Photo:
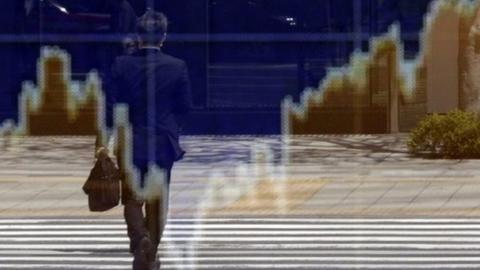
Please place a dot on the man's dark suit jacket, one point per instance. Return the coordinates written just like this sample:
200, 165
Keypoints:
156, 87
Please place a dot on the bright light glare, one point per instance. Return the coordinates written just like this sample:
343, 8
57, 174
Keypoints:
64, 10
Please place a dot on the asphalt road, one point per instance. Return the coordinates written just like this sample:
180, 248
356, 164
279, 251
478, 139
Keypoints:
247, 244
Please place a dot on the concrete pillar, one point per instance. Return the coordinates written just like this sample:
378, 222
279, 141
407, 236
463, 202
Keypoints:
393, 105
442, 63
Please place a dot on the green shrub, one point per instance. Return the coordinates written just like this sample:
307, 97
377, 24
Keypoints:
454, 135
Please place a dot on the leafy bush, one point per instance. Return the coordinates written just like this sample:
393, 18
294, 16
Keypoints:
454, 135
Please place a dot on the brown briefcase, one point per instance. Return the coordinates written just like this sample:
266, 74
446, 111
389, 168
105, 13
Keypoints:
103, 186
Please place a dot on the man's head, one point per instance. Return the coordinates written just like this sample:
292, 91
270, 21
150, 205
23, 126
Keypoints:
152, 28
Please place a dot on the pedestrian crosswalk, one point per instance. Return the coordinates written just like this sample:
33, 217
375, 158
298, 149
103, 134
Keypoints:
247, 243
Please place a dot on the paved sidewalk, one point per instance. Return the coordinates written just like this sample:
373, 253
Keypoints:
311, 176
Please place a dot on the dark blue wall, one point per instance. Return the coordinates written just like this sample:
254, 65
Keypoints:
219, 39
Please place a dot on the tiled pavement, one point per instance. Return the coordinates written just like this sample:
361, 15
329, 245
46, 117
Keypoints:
311, 176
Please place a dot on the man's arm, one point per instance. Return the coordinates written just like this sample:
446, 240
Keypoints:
111, 91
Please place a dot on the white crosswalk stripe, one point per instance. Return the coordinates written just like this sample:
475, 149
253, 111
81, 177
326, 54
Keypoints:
247, 244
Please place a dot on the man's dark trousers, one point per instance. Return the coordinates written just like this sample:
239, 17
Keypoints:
154, 222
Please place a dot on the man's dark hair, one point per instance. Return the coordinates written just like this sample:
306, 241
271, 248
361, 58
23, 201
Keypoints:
152, 27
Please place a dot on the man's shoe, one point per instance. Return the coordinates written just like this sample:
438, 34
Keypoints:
142, 254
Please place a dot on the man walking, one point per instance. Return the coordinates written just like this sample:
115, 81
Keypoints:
156, 88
